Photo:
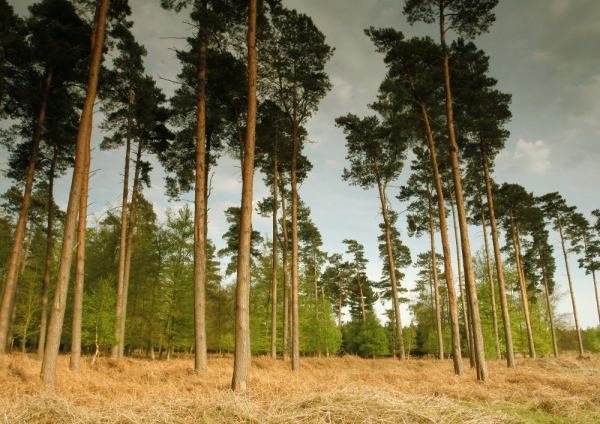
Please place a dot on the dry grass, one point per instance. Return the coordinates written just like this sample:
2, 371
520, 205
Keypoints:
327, 390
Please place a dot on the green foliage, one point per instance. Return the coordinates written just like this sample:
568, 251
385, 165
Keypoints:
98, 318
366, 339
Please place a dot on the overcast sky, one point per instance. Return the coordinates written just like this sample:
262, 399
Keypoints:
546, 53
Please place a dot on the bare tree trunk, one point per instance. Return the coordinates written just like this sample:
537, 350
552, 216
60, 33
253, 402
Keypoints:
15, 256
491, 278
49, 362
575, 317
390, 253
79, 271
286, 286
362, 296
464, 296
549, 305
200, 209
436, 287
510, 353
48, 262
522, 285
123, 235
456, 352
294, 297
242, 356
275, 263
129, 246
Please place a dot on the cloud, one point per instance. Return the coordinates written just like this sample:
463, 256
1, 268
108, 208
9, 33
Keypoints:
532, 158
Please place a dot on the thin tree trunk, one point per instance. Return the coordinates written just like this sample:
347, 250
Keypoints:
316, 287
242, 356
340, 300
48, 262
50, 360
510, 353
362, 296
491, 278
482, 372
275, 262
200, 208
575, 317
294, 293
79, 271
548, 304
129, 245
464, 296
436, 287
123, 235
390, 253
15, 256
286, 286
456, 352
522, 285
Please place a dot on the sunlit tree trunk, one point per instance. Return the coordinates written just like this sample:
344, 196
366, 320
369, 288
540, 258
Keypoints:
491, 281
510, 353
548, 304
55, 325
17, 248
286, 285
79, 271
123, 235
48, 261
388, 243
242, 356
436, 287
275, 263
522, 285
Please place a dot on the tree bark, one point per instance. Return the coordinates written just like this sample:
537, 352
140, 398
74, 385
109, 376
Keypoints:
575, 317
242, 356
436, 286
286, 286
49, 362
275, 262
522, 285
200, 208
548, 304
510, 353
491, 280
123, 235
390, 253
79, 270
15, 256
48, 261
456, 352
464, 296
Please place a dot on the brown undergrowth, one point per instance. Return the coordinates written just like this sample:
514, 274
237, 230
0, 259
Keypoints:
326, 390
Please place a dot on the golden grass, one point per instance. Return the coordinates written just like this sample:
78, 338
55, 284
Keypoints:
327, 390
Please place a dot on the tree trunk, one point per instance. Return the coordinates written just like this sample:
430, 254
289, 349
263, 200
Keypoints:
275, 263
510, 353
575, 317
79, 271
49, 362
482, 373
286, 286
436, 287
15, 256
456, 353
123, 235
200, 209
464, 296
548, 304
48, 261
390, 253
294, 297
491, 278
242, 356
522, 285
362, 296
129, 246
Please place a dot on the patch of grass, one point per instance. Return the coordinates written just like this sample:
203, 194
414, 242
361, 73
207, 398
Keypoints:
326, 390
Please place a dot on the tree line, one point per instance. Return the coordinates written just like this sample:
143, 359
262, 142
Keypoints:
252, 73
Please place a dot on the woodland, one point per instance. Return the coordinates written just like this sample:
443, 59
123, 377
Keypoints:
129, 286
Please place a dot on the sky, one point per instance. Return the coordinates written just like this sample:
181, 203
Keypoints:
546, 53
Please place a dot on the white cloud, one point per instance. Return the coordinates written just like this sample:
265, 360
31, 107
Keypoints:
532, 157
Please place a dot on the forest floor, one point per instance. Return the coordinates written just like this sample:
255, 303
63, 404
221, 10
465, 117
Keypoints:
326, 390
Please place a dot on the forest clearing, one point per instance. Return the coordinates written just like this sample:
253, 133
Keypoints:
329, 390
